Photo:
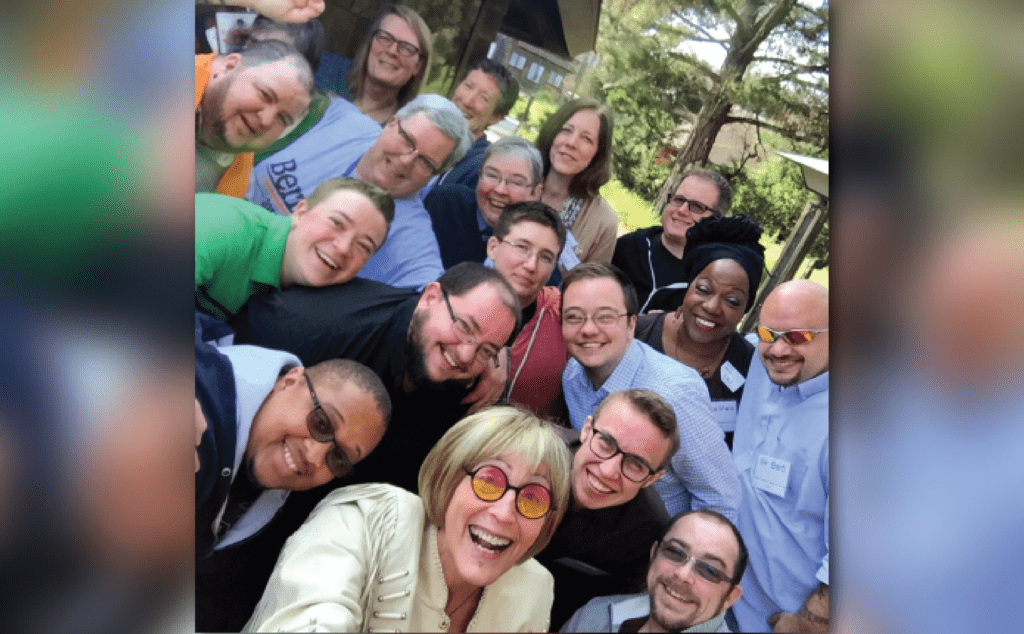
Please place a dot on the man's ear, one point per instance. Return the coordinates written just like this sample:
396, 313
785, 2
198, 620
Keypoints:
654, 478
654, 551
538, 191
431, 295
631, 325
301, 208
289, 378
733, 596
224, 63
492, 244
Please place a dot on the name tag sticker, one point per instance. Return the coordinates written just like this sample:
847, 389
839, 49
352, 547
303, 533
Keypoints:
569, 258
732, 377
724, 413
771, 475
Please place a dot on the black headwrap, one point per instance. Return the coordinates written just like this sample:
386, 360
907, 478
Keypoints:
732, 237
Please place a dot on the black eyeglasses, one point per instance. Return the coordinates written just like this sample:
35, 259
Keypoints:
704, 570
793, 337
606, 447
410, 148
533, 501
678, 200
466, 335
385, 39
321, 430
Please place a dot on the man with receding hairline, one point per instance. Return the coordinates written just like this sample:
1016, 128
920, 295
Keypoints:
244, 102
781, 453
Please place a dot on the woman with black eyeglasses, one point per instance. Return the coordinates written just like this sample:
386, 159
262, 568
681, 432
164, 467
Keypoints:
721, 269
456, 558
392, 63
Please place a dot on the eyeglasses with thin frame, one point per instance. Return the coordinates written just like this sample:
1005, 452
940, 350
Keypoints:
494, 178
602, 318
526, 252
410, 148
673, 552
489, 483
466, 335
605, 447
794, 337
678, 200
321, 430
385, 39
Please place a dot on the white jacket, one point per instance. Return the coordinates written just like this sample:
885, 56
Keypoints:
366, 560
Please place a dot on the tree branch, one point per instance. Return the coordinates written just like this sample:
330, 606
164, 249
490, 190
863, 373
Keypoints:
758, 122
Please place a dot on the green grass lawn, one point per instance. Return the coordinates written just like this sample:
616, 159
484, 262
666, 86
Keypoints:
636, 213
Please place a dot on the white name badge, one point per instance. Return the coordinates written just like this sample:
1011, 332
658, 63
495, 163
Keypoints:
771, 475
731, 377
724, 413
569, 259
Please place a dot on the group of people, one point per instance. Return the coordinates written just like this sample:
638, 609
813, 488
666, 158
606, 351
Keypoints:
435, 391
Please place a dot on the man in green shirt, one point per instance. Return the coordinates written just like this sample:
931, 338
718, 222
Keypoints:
241, 249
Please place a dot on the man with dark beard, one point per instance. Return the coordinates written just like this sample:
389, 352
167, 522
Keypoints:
691, 581
428, 348
244, 102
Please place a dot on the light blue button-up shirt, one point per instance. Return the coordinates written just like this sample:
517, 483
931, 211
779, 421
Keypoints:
781, 453
701, 474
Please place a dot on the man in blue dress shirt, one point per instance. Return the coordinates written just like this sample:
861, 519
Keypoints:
599, 308
781, 453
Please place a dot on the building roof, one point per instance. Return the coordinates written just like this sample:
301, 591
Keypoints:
564, 27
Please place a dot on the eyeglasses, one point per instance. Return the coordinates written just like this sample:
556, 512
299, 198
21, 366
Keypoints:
494, 178
466, 335
410, 148
704, 570
385, 39
793, 337
526, 252
321, 430
606, 447
602, 319
678, 200
533, 501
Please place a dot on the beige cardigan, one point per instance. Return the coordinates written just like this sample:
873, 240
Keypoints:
596, 229
366, 560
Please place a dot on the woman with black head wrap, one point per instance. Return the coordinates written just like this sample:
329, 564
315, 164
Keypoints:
722, 264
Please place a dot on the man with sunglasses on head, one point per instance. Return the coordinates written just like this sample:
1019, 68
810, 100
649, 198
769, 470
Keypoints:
425, 137
693, 576
652, 258
781, 452
602, 543
265, 426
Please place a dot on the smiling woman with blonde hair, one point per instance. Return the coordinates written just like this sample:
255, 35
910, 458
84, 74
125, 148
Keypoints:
456, 558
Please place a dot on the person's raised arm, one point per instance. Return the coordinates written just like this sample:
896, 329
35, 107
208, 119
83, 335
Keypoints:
812, 617
297, 11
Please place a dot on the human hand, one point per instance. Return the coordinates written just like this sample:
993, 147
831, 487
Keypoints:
200, 430
491, 384
297, 11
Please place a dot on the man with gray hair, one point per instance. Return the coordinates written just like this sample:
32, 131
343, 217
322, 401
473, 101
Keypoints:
244, 102
424, 138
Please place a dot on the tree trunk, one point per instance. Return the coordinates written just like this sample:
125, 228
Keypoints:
698, 146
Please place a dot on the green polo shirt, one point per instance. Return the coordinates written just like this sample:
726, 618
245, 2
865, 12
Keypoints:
239, 248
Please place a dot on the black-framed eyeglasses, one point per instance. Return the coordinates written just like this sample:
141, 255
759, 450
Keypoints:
678, 200
674, 553
466, 335
793, 337
633, 467
410, 148
321, 430
489, 483
385, 39
526, 252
